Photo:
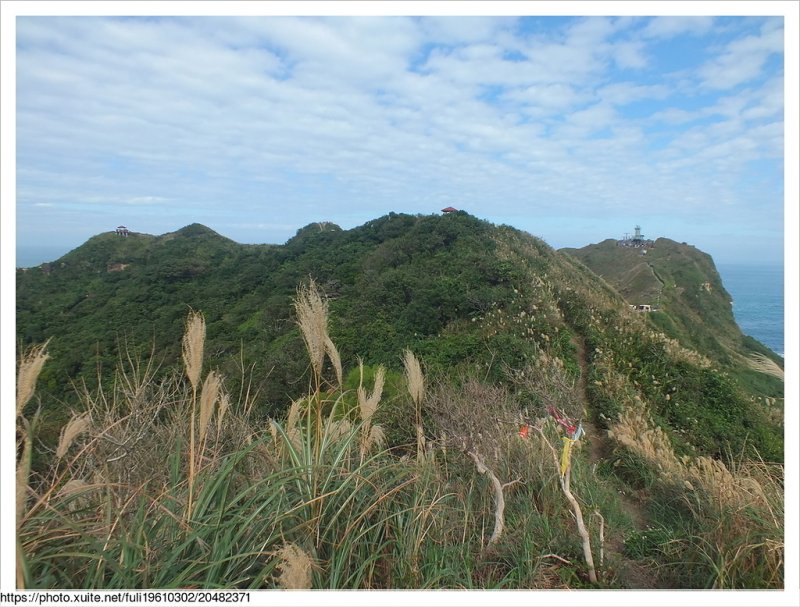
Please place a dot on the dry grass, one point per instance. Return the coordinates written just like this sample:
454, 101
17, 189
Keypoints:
193, 343
368, 404
738, 508
76, 426
748, 487
222, 409
208, 399
292, 422
677, 352
194, 338
414, 377
761, 363
416, 388
723, 489
312, 318
636, 431
741, 507
336, 429
30, 366
371, 436
23, 471
336, 361
296, 566
375, 439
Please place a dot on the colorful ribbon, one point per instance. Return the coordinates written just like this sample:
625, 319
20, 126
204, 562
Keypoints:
565, 452
562, 420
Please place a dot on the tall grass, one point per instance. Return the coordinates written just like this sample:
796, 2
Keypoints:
309, 500
142, 491
193, 343
731, 531
174, 483
761, 363
30, 366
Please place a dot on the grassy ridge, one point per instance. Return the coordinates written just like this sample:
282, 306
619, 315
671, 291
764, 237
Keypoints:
293, 427
683, 282
173, 483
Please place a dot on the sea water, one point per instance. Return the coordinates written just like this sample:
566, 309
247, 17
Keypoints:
34, 255
757, 293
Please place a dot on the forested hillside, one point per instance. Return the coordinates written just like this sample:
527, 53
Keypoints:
398, 281
516, 342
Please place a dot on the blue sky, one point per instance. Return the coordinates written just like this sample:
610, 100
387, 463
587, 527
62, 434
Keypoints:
574, 129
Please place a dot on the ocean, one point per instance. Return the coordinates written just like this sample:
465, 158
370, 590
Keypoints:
757, 293
33, 255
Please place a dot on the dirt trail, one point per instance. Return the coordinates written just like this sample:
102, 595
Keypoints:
630, 573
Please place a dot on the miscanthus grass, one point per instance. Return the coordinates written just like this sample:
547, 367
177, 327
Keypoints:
140, 496
416, 389
734, 536
193, 344
761, 363
168, 481
295, 567
30, 366
76, 426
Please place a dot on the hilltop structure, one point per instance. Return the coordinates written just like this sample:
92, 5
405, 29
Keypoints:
122, 231
637, 241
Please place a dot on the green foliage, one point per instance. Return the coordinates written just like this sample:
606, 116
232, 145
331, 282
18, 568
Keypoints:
393, 517
474, 302
694, 306
649, 543
398, 281
465, 295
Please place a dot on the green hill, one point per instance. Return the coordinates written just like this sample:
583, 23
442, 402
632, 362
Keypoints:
684, 432
398, 281
690, 303
460, 292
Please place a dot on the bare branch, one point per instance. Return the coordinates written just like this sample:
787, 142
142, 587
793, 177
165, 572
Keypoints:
555, 556
602, 536
499, 498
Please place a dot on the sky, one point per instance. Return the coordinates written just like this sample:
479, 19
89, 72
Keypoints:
573, 129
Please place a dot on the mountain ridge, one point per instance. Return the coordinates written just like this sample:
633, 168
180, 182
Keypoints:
682, 283
461, 292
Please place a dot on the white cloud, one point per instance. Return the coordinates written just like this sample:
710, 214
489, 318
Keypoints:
674, 116
743, 59
464, 30
205, 119
671, 26
630, 55
623, 93
556, 97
